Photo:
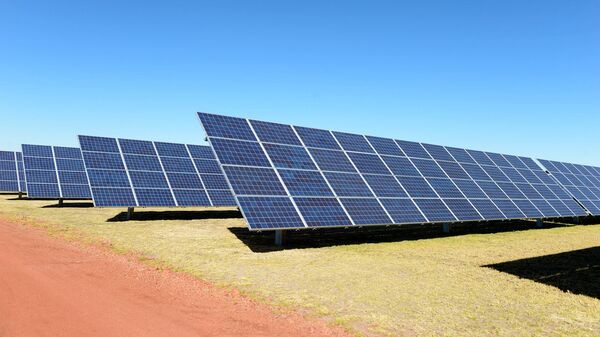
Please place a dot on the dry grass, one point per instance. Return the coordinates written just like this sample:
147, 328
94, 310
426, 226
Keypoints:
425, 285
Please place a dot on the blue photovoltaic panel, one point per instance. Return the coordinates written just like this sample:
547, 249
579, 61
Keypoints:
319, 212
321, 178
55, 172
270, 212
131, 173
582, 182
12, 175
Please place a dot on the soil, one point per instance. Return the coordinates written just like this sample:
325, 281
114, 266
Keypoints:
53, 287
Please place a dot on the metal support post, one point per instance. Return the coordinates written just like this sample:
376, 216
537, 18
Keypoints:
279, 238
129, 212
539, 223
446, 227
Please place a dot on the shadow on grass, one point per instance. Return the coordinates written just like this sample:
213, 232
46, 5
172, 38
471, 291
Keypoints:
262, 242
576, 271
176, 215
67, 204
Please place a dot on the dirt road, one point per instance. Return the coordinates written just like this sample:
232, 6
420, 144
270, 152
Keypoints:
52, 287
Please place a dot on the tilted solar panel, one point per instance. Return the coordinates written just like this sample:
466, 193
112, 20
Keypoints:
132, 173
12, 175
55, 172
286, 177
581, 181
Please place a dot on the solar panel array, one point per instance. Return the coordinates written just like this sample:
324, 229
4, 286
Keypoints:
582, 182
286, 177
12, 176
130, 173
55, 172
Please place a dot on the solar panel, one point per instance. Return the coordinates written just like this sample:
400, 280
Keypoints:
286, 176
12, 175
55, 172
135, 173
581, 181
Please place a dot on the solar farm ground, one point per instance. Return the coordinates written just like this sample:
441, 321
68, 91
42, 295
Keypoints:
520, 281
54, 287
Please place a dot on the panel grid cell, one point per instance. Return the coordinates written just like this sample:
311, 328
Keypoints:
270, 212
488, 209
385, 146
351, 142
445, 188
366, 211
305, 183
463, 209
275, 133
403, 211
322, 212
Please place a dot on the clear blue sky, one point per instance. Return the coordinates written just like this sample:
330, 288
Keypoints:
519, 77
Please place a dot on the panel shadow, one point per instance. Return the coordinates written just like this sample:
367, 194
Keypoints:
577, 271
176, 215
261, 242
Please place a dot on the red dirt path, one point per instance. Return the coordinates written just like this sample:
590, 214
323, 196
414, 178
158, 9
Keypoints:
52, 287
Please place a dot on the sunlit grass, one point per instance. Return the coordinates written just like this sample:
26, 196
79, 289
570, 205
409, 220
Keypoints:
423, 286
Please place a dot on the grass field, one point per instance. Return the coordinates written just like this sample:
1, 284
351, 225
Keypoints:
390, 282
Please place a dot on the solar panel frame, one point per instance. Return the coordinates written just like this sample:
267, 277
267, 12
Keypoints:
63, 175
138, 173
12, 174
411, 161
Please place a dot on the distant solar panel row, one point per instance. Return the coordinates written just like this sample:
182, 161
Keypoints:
128, 173
582, 182
55, 172
12, 175
287, 176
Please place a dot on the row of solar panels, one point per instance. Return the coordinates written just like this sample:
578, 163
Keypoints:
120, 173
290, 177
286, 176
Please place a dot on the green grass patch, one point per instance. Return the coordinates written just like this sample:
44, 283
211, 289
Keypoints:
422, 284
